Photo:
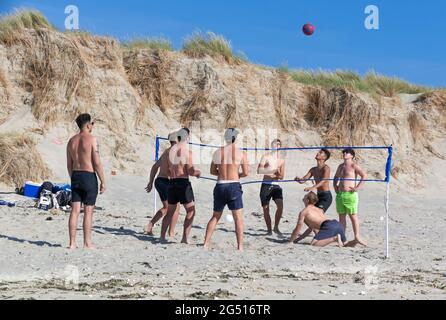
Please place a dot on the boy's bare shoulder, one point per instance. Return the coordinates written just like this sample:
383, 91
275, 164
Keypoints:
304, 211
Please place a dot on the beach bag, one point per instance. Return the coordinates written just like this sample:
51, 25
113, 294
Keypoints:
45, 200
46, 186
63, 198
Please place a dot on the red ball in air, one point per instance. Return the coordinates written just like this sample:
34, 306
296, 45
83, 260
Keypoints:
308, 29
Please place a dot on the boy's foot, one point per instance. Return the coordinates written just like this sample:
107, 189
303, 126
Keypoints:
360, 241
148, 229
340, 244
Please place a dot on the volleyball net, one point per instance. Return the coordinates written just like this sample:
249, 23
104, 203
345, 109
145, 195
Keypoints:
375, 160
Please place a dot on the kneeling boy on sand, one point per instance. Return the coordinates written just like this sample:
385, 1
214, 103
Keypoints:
329, 230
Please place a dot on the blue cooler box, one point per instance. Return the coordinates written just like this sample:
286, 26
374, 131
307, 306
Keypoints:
32, 189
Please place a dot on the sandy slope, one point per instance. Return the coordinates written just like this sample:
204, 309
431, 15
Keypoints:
127, 264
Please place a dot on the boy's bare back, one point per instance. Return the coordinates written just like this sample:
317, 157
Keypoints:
80, 149
228, 159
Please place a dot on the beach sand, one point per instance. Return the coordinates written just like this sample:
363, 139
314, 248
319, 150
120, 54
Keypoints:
127, 264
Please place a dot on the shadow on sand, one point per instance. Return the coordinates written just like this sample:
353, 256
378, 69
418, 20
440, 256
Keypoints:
128, 232
36, 243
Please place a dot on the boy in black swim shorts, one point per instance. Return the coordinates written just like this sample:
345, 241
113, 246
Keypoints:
272, 166
161, 184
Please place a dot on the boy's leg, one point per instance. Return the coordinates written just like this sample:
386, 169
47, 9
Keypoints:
72, 223
341, 210
343, 221
238, 220
159, 214
172, 225
171, 208
279, 212
88, 222
267, 218
190, 214
211, 227
324, 242
355, 223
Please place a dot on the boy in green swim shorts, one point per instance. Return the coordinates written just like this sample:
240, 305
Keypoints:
347, 199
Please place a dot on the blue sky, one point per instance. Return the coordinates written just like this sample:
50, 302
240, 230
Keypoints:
410, 43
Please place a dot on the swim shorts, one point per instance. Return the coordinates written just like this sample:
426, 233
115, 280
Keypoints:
330, 229
180, 190
347, 202
229, 194
270, 191
84, 187
325, 200
161, 185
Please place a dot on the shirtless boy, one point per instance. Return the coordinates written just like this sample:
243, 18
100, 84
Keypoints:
347, 191
180, 188
329, 230
83, 162
321, 174
272, 166
226, 164
161, 184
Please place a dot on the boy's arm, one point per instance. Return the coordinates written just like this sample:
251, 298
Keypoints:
97, 164
214, 169
190, 167
214, 164
261, 169
153, 173
305, 178
304, 235
336, 179
69, 161
245, 166
280, 174
300, 223
362, 174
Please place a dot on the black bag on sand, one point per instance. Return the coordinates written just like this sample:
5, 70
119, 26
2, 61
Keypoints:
47, 186
63, 198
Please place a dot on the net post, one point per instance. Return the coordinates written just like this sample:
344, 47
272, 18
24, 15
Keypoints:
388, 175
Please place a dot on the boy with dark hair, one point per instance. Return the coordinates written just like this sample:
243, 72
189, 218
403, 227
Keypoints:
347, 198
321, 174
83, 163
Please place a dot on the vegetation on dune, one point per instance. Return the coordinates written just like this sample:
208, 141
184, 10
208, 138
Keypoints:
21, 19
344, 117
149, 43
19, 160
200, 45
372, 83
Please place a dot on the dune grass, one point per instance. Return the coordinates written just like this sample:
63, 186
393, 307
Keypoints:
148, 43
20, 161
200, 45
371, 83
11, 24
344, 116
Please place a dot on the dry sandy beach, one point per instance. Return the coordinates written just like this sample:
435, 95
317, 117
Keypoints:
127, 264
